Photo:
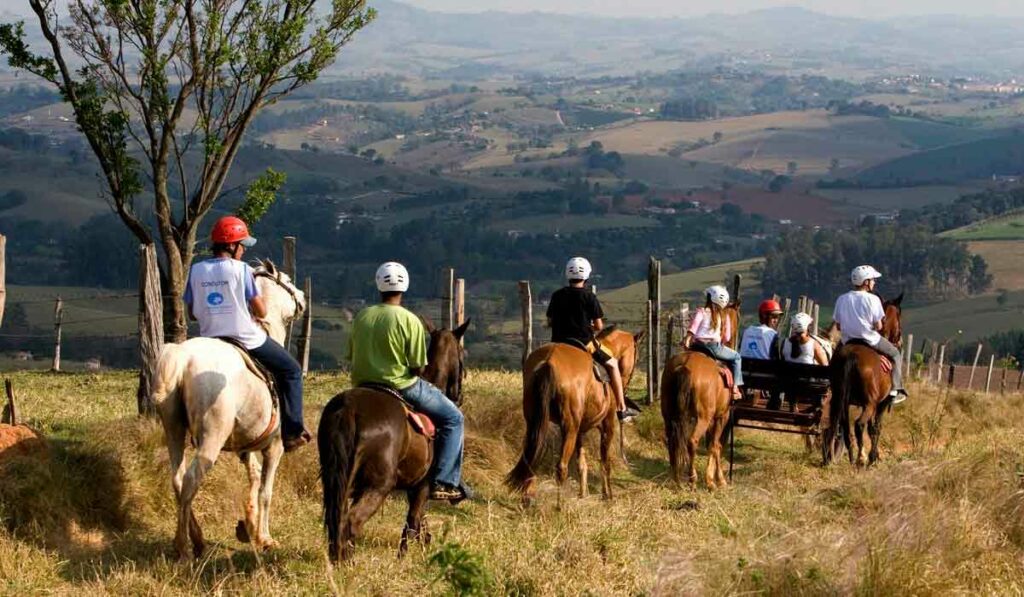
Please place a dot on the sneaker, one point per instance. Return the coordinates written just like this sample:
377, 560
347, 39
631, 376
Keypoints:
444, 491
627, 415
294, 443
466, 494
898, 397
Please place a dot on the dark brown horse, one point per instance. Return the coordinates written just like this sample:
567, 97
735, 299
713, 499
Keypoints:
695, 403
368, 449
858, 380
559, 385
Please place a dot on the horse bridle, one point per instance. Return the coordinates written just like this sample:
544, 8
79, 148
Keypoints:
276, 278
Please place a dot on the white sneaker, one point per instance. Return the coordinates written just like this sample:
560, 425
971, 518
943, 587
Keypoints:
897, 398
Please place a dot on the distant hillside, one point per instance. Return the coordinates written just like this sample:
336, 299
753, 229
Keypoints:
1003, 228
950, 165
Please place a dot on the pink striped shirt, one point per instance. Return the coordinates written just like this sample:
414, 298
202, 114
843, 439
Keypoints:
700, 327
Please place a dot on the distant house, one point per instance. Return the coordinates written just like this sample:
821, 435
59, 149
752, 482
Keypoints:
93, 364
23, 355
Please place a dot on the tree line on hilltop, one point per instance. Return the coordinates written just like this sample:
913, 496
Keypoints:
911, 258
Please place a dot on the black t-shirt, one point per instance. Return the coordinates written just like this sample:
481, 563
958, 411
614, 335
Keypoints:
571, 310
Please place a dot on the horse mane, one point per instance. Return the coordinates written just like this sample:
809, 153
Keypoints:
606, 331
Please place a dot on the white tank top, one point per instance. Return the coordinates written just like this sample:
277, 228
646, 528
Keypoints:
805, 352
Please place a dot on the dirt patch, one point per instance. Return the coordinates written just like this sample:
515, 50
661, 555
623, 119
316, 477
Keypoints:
795, 205
18, 440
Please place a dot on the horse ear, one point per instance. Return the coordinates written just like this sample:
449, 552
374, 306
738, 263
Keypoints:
271, 268
460, 331
638, 337
427, 324
898, 300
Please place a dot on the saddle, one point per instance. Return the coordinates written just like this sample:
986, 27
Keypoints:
884, 361
600, 373
420, 422
724, 371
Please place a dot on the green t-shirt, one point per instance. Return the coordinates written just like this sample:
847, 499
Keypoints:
386, 342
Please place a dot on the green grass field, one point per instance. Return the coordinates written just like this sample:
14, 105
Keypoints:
1008, 227
940, 514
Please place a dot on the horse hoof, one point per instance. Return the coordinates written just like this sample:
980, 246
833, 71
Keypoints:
268, 544
402, 548
197, 550
425, 538
241, 532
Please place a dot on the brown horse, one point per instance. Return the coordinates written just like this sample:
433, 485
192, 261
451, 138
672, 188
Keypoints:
858, 380
368, 448
695, 402
559, 385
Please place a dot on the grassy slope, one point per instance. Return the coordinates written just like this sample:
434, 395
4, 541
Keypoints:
955, 163
1007, 228
97, 516
1004, 260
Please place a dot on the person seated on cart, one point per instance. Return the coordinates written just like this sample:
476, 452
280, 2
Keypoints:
761, 341
711, 329
859, 314
800, 347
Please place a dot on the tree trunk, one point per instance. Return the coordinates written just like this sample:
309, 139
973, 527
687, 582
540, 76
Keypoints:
151, 327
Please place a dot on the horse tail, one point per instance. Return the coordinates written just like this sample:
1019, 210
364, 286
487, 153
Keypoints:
673, 411
844, 375
170, 370
336, 442
542, 389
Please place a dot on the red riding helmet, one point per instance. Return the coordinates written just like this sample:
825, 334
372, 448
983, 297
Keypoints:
769, 307
231, 229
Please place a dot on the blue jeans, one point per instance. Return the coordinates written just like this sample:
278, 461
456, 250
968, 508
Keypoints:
728, 356
288, 378
430, 401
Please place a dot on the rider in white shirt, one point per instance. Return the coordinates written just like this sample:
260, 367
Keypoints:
222, 296
800, 347
859, 314
758, 339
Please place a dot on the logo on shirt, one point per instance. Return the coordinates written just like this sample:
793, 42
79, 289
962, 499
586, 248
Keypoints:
214, 299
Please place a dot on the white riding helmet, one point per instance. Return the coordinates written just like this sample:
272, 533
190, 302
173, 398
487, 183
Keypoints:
578, 268
801, 322
392, 277
718, 295
863, 273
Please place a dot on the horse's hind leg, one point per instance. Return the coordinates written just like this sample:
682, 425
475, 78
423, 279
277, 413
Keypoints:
863, 441
569, 438
415, 528
581, 466
172, 413
248, 528
361, 511
696, 434
206, 456
271, 459
716, 450
875, 433
608, 431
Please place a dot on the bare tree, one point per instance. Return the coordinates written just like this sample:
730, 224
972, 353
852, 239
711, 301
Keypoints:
164, 90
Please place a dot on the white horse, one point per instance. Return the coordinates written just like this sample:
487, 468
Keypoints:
203, 386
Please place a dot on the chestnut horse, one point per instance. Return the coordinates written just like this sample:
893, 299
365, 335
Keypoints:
559, 385
858, 380
368, 448
695, 402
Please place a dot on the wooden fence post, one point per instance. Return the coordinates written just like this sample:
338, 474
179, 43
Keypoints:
988, 378
1002, 382
816, 312
3, 276
306, 339
10, 414
977, 355
1020, 378
460, 304
447, 298
652, 357
670, 338
801, 304
289, 267
151, 327
910, 356
942, 359
58, 318
785, 318
526, 304
654, 329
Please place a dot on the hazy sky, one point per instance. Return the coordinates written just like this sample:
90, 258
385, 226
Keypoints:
858, 8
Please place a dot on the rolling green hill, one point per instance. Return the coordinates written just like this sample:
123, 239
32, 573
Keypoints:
1005, 227
1002, 155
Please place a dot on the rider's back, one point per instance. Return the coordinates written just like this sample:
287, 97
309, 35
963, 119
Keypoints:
218, 292
387, 342
572, 311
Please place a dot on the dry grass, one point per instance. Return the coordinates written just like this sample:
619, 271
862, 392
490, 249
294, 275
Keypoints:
941, 514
